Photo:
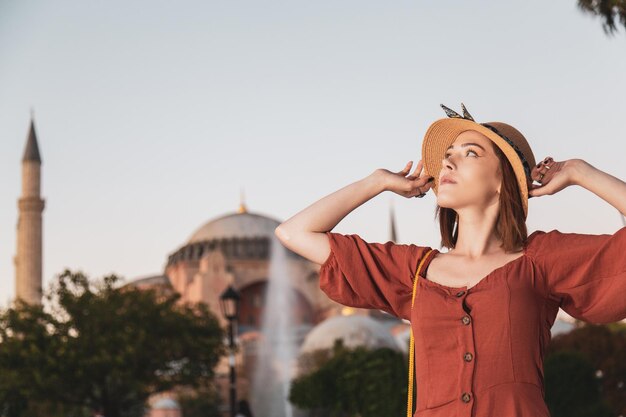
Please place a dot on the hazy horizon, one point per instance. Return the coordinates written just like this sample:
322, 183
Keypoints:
152, 116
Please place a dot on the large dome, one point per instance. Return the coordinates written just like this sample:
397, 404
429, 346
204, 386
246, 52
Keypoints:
236, 225
355, 330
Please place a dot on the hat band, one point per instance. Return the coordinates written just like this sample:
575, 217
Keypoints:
525, 163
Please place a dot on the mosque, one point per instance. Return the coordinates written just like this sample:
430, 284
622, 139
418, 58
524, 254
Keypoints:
229, 249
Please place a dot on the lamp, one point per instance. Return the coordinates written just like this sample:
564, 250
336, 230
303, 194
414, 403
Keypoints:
229, 302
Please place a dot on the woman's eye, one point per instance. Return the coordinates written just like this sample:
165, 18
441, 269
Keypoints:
469, 150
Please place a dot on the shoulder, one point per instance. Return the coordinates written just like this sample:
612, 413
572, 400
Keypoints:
353, 250
538, 237
542, 242
387, 245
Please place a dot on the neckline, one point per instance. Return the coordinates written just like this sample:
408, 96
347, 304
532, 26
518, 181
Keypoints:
448, 288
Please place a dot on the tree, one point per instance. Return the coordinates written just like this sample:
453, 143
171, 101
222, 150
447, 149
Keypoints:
609, 10
354, 382
204, 401
571, 387
603, 347
101, 347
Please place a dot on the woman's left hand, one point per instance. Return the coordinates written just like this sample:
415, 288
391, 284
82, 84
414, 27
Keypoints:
578, 172
556, 176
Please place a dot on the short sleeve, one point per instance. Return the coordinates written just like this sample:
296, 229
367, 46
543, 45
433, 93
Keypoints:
370, 275
585, 273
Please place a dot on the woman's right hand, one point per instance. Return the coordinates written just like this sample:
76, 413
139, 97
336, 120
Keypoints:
406, 185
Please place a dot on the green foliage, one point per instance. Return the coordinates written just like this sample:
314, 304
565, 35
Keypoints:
354, 382
349, 383
604, 348
608, 10
102, 348
571, 387
202, 402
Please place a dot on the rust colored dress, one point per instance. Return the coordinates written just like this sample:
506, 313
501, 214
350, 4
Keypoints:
479, 350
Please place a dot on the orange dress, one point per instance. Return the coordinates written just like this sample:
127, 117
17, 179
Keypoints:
479, 350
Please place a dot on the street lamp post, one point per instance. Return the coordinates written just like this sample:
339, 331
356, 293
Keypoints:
229, 302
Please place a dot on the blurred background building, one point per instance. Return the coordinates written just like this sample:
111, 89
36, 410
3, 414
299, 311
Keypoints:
229, 249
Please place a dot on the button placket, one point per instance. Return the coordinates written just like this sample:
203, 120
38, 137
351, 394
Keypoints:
468, 346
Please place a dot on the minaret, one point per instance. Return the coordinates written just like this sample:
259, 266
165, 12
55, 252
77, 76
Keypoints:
28, 261
392, 221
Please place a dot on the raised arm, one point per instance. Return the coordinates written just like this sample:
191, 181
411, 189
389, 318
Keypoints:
607, 187
579, 172
304, 233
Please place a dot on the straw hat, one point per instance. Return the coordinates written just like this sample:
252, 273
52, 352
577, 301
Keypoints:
513, 144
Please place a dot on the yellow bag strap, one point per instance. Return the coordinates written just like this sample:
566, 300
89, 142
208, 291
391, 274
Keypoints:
409, 410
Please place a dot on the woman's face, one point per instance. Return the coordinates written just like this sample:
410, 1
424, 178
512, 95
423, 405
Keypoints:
472, 163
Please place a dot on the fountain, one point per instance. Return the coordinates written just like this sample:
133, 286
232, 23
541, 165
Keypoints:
278, 348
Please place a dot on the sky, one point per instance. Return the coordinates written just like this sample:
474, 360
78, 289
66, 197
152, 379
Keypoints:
153, 116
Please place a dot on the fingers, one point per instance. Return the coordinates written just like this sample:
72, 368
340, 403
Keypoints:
422, 185
418, 169
540, 190
406, 169
419, 184
417, 172
547, 174
544, 170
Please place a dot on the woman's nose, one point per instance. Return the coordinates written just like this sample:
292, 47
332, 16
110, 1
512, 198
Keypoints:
445, 162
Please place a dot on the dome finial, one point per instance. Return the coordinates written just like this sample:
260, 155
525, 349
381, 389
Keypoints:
242, 204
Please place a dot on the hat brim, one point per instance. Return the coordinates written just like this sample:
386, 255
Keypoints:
443, 132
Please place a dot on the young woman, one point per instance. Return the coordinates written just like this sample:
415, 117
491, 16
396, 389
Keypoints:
483, 310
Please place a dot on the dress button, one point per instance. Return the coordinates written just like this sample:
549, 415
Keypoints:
460, 293
465, 397
468, 357
465, 320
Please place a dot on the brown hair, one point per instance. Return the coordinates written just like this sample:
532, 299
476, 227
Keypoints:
510, 224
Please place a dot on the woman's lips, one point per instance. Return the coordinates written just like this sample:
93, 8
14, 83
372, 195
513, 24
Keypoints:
446, 179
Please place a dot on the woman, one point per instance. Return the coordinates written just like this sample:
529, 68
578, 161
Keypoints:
483, 310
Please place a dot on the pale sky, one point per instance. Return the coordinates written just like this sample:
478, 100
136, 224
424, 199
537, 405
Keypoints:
152, 115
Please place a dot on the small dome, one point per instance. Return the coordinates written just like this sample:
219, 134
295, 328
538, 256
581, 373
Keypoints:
403, 339
236, 225
561, 326
150, 280
166, 404
354, 330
